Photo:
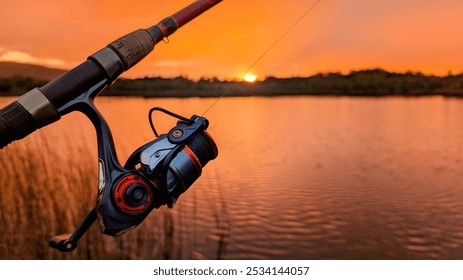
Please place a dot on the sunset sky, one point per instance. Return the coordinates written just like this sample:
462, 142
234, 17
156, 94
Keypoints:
338, 35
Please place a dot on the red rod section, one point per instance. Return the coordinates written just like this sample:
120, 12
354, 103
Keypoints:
193, 10
169, 25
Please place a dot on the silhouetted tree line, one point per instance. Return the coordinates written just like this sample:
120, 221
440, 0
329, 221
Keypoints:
18, 85
374, 82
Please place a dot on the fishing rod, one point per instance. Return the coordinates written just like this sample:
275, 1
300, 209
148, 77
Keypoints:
155, 174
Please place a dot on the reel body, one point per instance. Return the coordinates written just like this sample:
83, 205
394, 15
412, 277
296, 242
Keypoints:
155, 174
161, 171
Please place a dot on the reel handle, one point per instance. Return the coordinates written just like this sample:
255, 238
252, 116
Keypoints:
68, 242
63, 242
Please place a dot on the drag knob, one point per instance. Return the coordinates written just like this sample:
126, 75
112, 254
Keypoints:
133, 195
136, 195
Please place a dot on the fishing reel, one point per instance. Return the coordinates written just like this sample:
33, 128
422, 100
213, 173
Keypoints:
155, 174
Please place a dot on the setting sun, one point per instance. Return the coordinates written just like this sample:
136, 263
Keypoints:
250, 78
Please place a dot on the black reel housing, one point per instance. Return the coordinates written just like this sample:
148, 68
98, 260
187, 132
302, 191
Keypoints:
156, 174
163, 169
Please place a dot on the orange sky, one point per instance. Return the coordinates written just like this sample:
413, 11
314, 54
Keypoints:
338, 35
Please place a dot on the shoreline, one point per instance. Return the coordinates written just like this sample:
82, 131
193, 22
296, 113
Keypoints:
365, 83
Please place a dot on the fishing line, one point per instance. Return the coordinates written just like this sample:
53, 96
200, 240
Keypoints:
227, 90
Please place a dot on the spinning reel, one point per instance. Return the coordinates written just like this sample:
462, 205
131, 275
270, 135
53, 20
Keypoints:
155, 174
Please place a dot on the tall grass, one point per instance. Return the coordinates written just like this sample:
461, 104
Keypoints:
43, 193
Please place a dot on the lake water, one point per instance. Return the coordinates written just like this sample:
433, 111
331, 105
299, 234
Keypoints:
296, 178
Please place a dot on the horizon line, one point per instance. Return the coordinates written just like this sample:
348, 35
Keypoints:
261, 77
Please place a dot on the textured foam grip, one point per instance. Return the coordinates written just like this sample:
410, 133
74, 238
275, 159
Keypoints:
15, 123
133, 47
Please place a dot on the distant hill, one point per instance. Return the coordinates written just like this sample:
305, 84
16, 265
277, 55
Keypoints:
11, 69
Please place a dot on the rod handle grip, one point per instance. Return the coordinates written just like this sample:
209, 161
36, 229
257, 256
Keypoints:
15, 123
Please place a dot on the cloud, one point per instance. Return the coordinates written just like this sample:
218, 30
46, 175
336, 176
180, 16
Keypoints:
23, 57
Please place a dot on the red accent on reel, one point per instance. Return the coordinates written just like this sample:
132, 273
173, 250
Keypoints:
133, 195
